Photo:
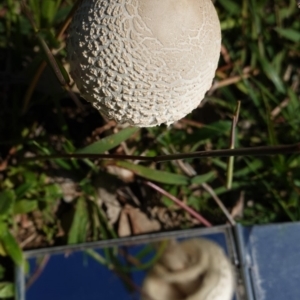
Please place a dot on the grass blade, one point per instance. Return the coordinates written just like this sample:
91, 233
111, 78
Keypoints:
25, 206
10, 245
155, 175
7, 199
78, 231
6, 290
199, 179
109, 142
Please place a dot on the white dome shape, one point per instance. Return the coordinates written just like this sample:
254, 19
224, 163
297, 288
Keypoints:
195, 269
144, 62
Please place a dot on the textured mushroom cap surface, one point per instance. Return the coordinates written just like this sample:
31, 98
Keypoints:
144, 62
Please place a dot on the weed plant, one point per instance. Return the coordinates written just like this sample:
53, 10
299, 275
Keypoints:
259, 66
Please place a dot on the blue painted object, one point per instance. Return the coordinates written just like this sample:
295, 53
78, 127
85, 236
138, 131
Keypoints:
79, 277
272, 261
268, 257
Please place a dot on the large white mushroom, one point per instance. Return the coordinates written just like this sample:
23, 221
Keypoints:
195, 269
144, 62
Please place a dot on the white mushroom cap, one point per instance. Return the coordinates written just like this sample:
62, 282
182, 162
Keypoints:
144, 62
195, 269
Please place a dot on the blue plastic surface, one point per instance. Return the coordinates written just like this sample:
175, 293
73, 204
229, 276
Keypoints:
273, 260
78, 277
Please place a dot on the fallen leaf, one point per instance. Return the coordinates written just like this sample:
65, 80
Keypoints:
140, 222
124, 226
107, 186
238, 209
123, 174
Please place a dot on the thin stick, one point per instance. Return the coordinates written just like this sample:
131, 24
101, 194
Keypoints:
39, 270
232, 145
97, 257
250, 151
191, 172
67, 20
192, 212
43, 64
219, 202
32, 86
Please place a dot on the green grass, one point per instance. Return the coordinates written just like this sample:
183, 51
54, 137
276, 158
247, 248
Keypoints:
259, 66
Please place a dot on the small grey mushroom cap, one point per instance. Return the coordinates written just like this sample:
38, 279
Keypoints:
144, 62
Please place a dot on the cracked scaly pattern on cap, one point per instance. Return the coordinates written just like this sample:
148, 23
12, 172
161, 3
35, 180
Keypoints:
144, 62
